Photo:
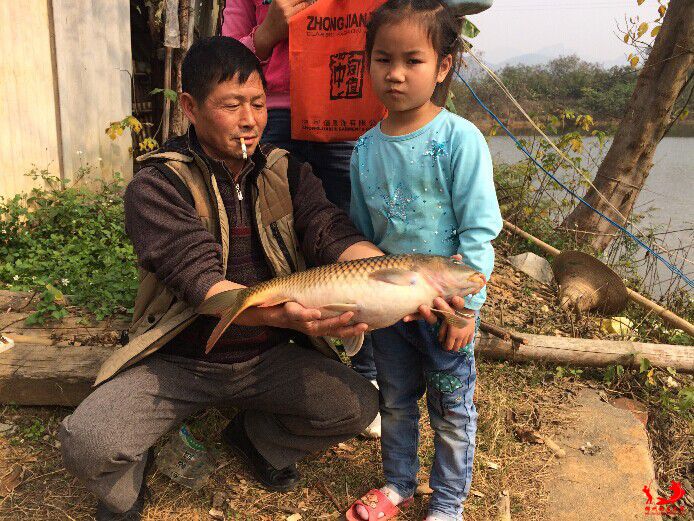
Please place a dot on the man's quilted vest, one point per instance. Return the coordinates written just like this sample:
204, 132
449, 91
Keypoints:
158, 315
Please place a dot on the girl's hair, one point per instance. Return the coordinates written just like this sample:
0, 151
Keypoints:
439, 22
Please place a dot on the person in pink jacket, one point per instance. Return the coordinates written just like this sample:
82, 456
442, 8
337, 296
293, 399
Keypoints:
261, 25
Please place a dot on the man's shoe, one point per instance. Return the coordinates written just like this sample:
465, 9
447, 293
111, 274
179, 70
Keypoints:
103, 513
276, 480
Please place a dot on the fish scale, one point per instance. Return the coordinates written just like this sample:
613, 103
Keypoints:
378, 290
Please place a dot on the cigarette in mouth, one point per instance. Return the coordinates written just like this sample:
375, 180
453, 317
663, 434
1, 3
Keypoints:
244, 151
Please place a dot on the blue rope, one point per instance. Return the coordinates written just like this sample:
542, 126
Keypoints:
674, 269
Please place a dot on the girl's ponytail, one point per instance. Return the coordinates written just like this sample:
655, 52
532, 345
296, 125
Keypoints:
451, 26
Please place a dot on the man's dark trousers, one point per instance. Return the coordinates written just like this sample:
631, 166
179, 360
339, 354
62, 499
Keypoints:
298, 402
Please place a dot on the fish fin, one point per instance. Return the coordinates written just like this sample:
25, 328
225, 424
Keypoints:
219, 302
451, 318
273, 302
232, 303
340, 307
353, 344
396, 276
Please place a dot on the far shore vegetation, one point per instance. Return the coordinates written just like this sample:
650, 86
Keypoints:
550, 88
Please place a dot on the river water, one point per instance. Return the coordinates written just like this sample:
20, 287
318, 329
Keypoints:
666, 200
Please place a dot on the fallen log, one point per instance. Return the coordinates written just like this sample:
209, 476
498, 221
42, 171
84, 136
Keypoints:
33, 374
586, 352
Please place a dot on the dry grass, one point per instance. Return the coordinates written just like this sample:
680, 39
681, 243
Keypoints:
47, 492
527, 396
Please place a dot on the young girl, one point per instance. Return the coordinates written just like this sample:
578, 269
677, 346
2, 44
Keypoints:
422, 183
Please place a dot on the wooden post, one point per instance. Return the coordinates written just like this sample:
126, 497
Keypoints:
167, 101
172, 40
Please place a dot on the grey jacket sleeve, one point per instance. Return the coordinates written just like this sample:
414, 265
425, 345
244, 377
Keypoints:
169, 238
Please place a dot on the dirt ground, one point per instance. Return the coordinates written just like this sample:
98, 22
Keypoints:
511, 400
508, 397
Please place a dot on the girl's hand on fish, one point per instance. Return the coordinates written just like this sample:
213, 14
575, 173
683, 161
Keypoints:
293, 315
455, 338
424, 312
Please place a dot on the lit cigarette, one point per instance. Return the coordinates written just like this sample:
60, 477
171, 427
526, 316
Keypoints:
244, 151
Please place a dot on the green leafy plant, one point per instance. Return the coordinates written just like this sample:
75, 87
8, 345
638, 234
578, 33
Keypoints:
33, 432
167, 93
566, 372
68, 244
613, 373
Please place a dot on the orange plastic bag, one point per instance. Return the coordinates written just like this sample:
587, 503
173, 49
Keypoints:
330, 92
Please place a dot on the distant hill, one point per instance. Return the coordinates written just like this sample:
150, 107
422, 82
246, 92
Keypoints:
546, 55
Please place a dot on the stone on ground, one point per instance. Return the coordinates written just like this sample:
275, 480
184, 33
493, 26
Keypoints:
534, 266
608, 462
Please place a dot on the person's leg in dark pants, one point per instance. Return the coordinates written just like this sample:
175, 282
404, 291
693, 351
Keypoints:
303, 402
104, 442
296, 402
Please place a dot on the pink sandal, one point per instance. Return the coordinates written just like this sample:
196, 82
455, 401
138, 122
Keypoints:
376, 503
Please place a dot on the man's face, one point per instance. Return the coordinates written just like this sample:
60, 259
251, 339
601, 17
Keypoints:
231, 111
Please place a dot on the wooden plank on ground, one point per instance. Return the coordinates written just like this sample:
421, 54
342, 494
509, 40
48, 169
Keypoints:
33, 374
17, 301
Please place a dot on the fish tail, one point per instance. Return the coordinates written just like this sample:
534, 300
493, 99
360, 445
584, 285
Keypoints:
232, 303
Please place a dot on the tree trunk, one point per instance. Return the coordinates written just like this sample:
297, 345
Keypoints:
626, 166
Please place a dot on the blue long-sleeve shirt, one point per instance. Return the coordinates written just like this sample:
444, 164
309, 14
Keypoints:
430, 191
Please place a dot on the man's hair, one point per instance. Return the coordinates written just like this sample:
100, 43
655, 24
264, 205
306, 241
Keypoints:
210, 61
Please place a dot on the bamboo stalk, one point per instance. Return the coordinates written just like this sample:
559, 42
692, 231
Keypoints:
667, 315
167, 102
543, 245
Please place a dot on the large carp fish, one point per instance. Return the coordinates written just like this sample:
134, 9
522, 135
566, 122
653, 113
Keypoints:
379, 290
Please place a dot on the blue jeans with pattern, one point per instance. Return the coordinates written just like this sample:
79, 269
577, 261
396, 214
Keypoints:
409, 361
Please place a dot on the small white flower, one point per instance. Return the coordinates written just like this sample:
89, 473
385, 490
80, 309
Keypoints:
33, 278
15, 278
64, 282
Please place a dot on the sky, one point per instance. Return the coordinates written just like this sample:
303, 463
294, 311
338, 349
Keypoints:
584, 27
